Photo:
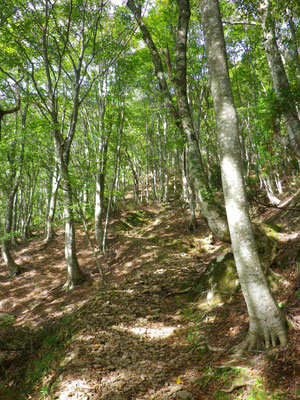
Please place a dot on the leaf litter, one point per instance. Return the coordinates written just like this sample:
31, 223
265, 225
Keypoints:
139, 337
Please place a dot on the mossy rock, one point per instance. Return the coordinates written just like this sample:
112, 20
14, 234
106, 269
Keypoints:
203, 245
123, 226
218, 282
131, 220
135, 218
266, 237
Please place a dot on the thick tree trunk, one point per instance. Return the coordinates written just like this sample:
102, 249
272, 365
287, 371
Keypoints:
182, 118
267, 324
10, 264
279, 77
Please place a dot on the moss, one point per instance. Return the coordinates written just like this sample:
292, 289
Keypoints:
218, 282
135, 218
131, 220
267, 242
122, 225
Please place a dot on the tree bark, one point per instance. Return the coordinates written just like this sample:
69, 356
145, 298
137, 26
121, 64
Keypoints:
279, 77
62, 153
10, 111
52, 205
267, 324
117, 160
10, 264
210, 210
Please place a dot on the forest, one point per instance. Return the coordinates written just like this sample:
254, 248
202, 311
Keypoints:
149, 199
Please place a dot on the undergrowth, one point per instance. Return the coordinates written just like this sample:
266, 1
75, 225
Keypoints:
36, 376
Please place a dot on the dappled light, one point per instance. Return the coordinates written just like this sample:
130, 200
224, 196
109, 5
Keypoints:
149, 200
141, 337
150, 332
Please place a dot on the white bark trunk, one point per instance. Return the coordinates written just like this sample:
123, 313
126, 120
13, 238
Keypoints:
267, 325
10, 264
279, 77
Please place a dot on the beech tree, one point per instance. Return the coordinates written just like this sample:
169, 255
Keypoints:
280, 81
181, 113
267, 325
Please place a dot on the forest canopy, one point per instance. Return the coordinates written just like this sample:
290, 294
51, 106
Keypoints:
105, 101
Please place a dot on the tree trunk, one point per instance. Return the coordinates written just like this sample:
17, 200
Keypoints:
74, 273
52, 205
182, 119
99, 206
117, 160
295, 44
10, 264
189, 192
100, 189
267, 324
279, 77
14, 240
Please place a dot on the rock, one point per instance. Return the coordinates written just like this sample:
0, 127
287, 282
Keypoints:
184, 395
219, 280
117, 385
175, 388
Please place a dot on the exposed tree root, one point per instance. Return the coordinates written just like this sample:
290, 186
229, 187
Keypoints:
49, 239
257, 341
15, 273
70, 284
237, 386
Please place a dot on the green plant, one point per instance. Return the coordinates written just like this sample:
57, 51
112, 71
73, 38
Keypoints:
6, 320
46, 389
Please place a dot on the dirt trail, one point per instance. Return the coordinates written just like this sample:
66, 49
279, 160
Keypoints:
130, 340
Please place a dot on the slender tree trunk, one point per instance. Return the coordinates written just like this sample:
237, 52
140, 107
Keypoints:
100, 190
10, 264
99, 206
50, 234
189, 192
74, 273
113, 182
279, 77
267, 182
101, 151
165, 177
28, 206
267, 324
182, 119
14, 240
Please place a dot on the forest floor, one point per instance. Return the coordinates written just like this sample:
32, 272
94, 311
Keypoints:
140, 336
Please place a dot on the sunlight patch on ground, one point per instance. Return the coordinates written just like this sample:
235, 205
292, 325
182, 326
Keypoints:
159, 272
73, 387
160, 332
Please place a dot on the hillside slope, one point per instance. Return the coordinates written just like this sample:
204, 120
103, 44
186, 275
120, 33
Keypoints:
142, 335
